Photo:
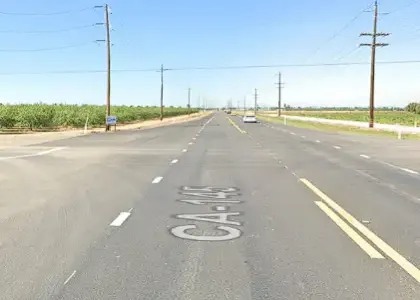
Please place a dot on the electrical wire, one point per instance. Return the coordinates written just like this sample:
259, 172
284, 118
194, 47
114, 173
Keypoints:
217, 68
403, 7
46, 14
45, 49
47, 31
336, 34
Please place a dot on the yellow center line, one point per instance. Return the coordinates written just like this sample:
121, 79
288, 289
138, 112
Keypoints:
383, 246
236, 126
372, 252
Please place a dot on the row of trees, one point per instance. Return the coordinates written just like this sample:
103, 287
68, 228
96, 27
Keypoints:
413, 107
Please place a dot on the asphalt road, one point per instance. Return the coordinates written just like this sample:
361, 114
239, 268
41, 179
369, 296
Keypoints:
208, 210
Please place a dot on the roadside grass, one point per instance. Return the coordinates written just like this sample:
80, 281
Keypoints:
339, 128
384, 117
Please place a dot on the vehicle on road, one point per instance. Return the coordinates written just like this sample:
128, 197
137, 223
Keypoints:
249, 119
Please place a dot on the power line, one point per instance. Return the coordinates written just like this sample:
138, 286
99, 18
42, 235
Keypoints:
67, 12
398, 62
336, 34
404, 6
46, 49
47, 31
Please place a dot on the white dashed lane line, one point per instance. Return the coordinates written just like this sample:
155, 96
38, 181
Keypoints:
364, 156
337, 147
122, 217
174, 161
184, 150
190, 143
70, 277
157, 179
318, 141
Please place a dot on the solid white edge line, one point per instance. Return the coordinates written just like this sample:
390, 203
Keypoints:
174, 161
364, 156
120, 219
34, 154
70, 277
157, 179
49, 151
410, 171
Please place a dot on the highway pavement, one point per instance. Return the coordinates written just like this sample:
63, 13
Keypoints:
209, 209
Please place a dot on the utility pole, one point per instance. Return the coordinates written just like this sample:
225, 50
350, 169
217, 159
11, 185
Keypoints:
189, 100
108, 50
244, 105
255, 101
373, 46
161, 90
280, 85
108, 61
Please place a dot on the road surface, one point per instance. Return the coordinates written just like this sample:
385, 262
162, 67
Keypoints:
209, 210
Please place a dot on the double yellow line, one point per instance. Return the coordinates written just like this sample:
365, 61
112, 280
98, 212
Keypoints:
328, 205
234, 125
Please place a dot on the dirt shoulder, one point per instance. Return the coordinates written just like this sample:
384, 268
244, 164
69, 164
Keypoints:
16, 140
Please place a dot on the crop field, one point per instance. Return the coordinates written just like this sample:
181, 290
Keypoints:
40, 116
384, 117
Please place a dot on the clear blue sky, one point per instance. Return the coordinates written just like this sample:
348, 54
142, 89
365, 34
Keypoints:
190, 33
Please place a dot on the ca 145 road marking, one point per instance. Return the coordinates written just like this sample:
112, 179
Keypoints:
220, 198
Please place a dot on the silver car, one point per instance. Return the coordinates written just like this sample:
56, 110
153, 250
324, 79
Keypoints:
249, 119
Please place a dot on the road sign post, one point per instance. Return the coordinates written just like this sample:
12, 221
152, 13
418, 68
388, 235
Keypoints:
111, 121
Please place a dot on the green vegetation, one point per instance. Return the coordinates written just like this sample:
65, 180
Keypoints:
39, 116
413, 107
337, 128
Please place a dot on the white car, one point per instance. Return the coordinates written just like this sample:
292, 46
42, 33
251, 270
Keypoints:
249, 119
